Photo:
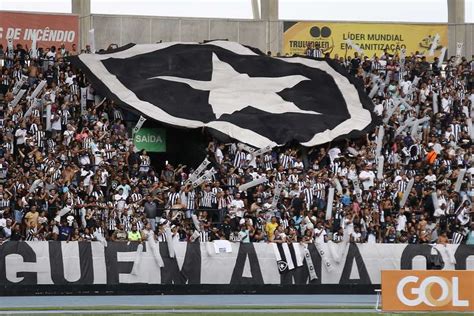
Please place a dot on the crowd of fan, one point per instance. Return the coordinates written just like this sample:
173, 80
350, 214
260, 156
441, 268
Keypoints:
68, 170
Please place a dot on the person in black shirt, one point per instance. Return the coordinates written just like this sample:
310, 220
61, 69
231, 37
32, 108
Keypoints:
16, 233
226, 227
355, 62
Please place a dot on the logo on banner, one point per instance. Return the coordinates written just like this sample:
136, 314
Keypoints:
433, 291
427, 290
282, 265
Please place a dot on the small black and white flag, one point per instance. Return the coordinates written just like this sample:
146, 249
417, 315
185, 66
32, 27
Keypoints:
288, 256
235, 90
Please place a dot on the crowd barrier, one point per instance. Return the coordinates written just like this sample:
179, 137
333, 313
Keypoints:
26, 266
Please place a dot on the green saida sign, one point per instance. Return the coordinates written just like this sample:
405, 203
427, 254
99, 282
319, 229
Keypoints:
151, 139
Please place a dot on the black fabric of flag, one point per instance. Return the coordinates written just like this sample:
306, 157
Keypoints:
235, 90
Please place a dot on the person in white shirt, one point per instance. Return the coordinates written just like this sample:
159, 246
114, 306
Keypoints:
367, 177
219, 155
440, 211
320, 234
430, 177
237, 206
120, 200
378, 109
20, 135
356, 236
401, 221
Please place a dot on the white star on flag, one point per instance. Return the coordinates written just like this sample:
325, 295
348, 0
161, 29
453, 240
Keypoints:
231, 91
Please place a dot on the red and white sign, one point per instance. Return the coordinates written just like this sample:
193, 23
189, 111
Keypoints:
50, 29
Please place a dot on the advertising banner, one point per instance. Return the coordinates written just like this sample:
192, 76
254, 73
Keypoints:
427, 290
372, 38
50, 29
151, 139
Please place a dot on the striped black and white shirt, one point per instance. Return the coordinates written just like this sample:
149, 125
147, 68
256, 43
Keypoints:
308, 197
39, 137
206, 199
204, 236
240, 159
402, 185
318, 190
190, 200
456, 131
457, 238
268, 161
4, 203
285, 161
317, 53
136, 197
30, 234
172, 199
109, 151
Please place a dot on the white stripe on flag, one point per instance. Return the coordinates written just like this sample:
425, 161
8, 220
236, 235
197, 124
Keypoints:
299, 255
276, 251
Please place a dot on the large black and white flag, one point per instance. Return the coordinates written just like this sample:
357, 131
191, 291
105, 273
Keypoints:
235, 90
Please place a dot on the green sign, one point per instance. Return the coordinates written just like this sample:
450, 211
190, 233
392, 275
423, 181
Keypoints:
151, 139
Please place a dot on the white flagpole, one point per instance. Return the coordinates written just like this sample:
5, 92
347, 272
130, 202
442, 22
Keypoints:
139, 125
277, 193
355, 46
358, 191
92, 40
407, 192
17, 98
207, 176
262, 151
434, 44
338, 185
374, 90
441, 57
34, 52
38, 89
435, 103
470, 128
195, 175
378, 148
457, 186
459, 47
245, 148
380, 163
329, 203
48, 116
252, 184
19, 84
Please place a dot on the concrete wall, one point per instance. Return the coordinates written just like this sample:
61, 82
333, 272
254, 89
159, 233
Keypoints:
121, 30
461, 33
265, 35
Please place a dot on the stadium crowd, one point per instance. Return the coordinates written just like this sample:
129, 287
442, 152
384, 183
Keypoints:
69, 171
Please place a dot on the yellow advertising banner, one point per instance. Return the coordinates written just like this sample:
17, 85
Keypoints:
428, 290
372, 38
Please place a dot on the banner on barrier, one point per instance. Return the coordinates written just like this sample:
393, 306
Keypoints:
43, 263
427, 290
48, 29
372, 38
